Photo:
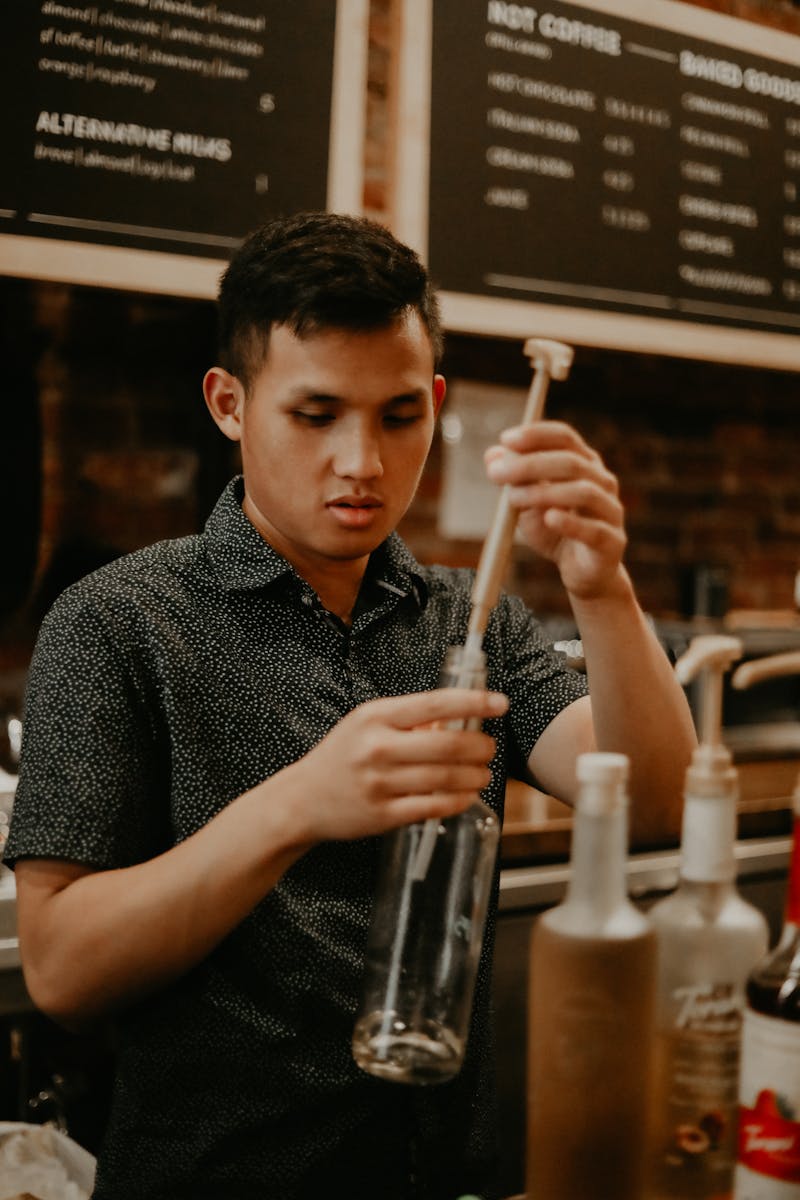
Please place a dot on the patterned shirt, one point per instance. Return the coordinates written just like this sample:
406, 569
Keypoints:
162, 687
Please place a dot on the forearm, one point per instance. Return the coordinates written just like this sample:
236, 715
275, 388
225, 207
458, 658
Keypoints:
638, 706
93, 941
109, 937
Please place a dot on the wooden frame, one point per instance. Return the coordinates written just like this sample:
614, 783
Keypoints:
196, 276
498, 316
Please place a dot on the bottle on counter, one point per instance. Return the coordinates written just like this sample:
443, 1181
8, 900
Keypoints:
592, 1010
426, 932
708, 938
768, 1166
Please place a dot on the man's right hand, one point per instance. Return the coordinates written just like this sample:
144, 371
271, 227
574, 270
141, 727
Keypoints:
393, 761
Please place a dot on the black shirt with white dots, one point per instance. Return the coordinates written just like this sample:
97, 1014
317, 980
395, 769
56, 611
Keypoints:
162, 687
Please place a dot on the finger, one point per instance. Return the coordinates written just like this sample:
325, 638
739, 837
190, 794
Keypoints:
436, 778
596, 534
408, 809
440, 745
442, 704
545, 435
581, 496
549, 466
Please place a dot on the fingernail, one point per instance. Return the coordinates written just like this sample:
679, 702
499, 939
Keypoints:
498, 703
496, 467
509, 436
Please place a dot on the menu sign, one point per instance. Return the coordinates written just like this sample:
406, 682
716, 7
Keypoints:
169, 125
602, 167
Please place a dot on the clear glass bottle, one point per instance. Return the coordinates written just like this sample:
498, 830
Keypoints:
709, 938
426, 933
768, 1166
592, 1010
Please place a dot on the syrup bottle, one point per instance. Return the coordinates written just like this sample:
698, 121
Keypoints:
768, 1166
709, 938
592, 1010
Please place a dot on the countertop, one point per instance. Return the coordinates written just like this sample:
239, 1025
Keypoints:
538, 828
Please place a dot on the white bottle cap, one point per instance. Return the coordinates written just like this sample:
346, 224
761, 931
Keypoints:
601, 783
602, 767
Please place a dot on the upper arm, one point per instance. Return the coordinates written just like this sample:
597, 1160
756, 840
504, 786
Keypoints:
92, 775
550, 718
552, 760
39, 881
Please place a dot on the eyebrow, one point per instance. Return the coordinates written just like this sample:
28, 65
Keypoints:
311, 397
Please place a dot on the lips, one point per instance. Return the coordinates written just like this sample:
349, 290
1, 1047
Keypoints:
355, 512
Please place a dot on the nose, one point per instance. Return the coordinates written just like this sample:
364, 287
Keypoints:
358, 453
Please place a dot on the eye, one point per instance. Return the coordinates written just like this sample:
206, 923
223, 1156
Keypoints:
398, 420
315, 418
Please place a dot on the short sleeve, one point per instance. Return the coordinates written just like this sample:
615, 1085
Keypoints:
91, 782
535, 678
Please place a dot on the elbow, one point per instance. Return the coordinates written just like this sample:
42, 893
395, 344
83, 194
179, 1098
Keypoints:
53, 993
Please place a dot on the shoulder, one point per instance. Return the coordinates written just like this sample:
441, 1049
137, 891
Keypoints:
154, 570
106, 606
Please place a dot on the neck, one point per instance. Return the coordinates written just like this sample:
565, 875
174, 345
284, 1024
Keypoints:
336, 581
337, 593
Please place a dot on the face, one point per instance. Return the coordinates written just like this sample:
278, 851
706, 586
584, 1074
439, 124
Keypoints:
334, 434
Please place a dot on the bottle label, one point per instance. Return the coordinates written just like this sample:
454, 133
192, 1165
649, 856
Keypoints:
697, 1072
769, 1105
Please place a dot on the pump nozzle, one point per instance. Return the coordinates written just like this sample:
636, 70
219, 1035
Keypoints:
771, 667
712, 654
709, 656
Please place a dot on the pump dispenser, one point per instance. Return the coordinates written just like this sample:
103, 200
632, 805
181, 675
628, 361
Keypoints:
709, 939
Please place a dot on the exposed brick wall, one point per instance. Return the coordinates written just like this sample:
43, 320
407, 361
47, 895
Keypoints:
708, 456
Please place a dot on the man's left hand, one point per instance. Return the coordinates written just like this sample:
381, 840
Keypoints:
568, 502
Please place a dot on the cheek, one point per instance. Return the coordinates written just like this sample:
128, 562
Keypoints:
271, 444
408, 462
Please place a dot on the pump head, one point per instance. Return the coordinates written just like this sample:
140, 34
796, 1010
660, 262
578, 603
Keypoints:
555, 357
708, 652
710, 656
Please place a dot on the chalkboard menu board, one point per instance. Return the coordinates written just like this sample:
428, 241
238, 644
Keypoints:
616, 173
143, 139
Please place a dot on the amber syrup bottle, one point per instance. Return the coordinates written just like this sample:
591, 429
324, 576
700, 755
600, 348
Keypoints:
592, 1011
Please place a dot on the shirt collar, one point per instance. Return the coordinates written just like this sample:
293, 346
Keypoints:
241, 559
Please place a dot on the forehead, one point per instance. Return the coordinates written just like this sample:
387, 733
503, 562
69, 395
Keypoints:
398, 356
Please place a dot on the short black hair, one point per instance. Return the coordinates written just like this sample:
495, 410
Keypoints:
316, 271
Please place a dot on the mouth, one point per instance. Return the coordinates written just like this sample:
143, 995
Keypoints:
355, 512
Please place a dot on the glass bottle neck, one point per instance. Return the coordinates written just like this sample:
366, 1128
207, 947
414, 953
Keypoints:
599, 852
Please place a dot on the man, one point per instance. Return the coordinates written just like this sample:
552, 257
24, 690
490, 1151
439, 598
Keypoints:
218, 728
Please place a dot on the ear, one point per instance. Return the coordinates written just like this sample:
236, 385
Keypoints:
439, 389
224, 397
